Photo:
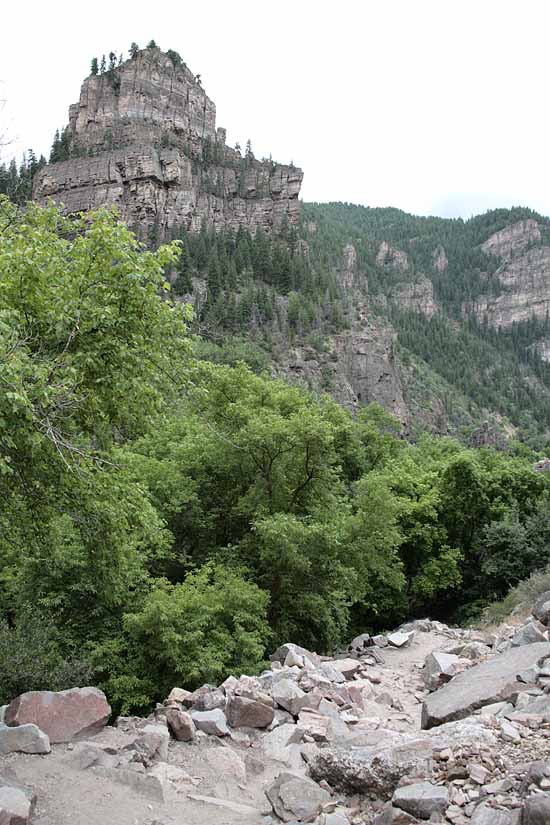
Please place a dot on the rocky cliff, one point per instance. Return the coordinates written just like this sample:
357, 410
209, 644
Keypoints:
520, 287
143, 138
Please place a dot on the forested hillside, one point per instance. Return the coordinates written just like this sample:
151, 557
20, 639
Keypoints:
303, 300
166, 519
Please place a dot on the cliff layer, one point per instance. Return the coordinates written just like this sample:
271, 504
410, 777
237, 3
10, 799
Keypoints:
143, 137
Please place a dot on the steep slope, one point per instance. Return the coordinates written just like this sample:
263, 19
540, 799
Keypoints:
143, 137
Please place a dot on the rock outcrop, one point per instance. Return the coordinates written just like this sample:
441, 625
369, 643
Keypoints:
143, 138
418, 297
521, 284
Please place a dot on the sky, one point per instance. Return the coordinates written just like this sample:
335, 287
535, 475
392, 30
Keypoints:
434, 107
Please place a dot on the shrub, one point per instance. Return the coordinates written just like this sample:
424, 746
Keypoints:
32, 658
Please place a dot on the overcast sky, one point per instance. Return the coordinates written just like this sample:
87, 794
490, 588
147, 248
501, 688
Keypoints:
434, 106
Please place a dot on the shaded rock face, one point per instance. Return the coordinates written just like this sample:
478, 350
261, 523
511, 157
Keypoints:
440, 260
393, 258
523, 278
144, 139
418, 297
361, 367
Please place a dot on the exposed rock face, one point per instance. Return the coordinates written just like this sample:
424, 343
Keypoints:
391, 257
440, 260
361, 367
144, 139
523, 278
511, 240
348, 271
418, 296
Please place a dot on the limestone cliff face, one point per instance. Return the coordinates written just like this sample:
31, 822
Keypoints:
418, 296
144, 138
521, 282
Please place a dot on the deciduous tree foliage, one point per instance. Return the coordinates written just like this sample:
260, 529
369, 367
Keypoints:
166, 518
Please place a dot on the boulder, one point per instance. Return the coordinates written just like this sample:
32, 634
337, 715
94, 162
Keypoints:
249, 713
541, 609
180, 724
295, 797
282, 652
64, 716
17, 801
373, 770
24, 738
422, 799
275, 743
400, 639
536, 810
529, 634
227, 764
152, 743
509, 732
213, 722
184, 697
360, 644
207, 698
289, 696
439, 668
486, 815
347, 667
394, 816
485, 683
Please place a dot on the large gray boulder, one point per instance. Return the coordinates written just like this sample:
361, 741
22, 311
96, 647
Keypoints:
529, 634
492, 681
295, 797
213, 722
536, 810
373, 770
422, 799
486, 815
25, 739
282, 652
439, 668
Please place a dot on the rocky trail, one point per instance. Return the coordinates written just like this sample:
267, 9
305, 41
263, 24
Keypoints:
429, 723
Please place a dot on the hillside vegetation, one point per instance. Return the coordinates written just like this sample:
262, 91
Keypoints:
164, 518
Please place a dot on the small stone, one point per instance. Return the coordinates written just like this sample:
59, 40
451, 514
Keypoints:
509, 732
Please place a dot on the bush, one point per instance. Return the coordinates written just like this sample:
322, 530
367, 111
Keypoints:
31, 658
211, 625
523, 595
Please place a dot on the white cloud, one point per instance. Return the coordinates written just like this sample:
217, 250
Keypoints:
433, 106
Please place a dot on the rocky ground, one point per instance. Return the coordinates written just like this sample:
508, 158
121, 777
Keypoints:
427, 723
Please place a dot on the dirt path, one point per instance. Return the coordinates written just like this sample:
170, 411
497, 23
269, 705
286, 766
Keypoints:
68, 795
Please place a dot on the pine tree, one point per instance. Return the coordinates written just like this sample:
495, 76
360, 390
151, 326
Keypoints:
94, 68
134, 49
102, 65
152, 45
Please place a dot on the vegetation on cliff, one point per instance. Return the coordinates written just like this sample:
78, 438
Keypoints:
163, 518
